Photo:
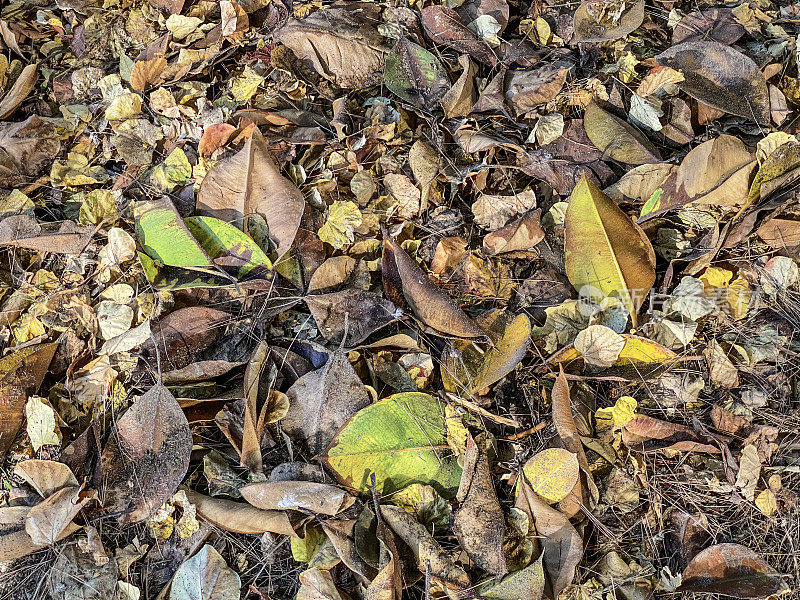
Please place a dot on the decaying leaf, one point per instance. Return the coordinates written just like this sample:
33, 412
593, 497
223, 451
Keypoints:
150, 444
415, 75
407, 285
322, 401
722, 77
589, 28
239, 517
522, 234
479, 523
732, 570
606, 253
205, 576
617, 139
319, 498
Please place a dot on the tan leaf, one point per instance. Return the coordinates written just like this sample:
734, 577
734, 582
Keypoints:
239, 517
23, 86
522, 234
147, 73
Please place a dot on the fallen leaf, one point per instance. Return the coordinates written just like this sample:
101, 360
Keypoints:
357, 313
444, 26
23, 86
493, 212
45, 476
616, 139
749, 472
479, 523
415, 75
732, 570
26, 149
522, 234
249, 182
599, 346
342, 220
721, 77
590, 29
606, 252
205, 576
42, 423
318, 498
322, 401
647, 434
150, 444
526, 583
552, 474
406, 284
410, 448
46, 522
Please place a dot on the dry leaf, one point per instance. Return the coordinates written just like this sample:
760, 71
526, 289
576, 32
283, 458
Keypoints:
521, 234
318, 498
617, 139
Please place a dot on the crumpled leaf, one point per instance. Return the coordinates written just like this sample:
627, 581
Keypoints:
479, 523
722, 77
526, 583
343, 218
150, 444
402, 439
590, 29
249, 182
617, 139
732, 570
205, 576
26, 149
493, 212
322, 401
599, 346
46, 522
362, 312
606, 253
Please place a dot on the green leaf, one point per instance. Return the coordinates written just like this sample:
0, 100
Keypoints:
220, 239
165, 238
403, 440
415, 75
653, 203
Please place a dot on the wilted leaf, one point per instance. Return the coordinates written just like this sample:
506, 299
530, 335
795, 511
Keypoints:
406, 284
428, 554
521, 234
239, 517
732, 570
722, 77
617, 139
21, 374
599, 346
362, 312
321, 401
247, 183
23, 231
205, 576
590, 29
343, 218
229, 248
46, 522
26, 148
42, 423
647, 434
479, 523
606, 253
402, 439
749, 472
45, 476
150, 444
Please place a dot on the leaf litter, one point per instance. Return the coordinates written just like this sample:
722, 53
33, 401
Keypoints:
478, 299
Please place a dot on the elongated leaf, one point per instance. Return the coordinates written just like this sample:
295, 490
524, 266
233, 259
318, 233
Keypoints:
23, 86
165, 238
606, 253
249, 182
722, 77
239, 517
617, 139
319, 498
406, 285
402, 439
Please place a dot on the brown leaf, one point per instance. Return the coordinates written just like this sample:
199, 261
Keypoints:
21, 374
717, 24
647, 434
732, 570
568, 432
780, 233
444, 26
479, 523
17, 543
406, 285
460, 98
319, 498
426, 550
322, 401
528, 89
250, 182
562, 547
46, 522
239, 517
686, 534
721, 77
23, 86
150, 445
589, 29
183, 334
617, 139
147, 73
23, 231
363, 313
521, 234
26, 149
348, 53
45, 476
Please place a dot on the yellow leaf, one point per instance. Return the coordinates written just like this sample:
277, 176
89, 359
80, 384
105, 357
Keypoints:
767, 503
552, 473
606, 254
343, 218
616, 416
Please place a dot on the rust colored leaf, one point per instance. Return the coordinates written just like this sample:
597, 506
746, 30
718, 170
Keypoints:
521, 234
647, 434
732, 570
